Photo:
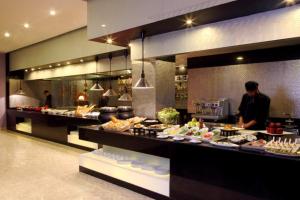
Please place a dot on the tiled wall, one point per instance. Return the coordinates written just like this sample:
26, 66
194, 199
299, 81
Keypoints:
2, 91
279, 80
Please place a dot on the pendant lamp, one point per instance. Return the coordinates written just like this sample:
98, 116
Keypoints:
126, 96
110, 92
83, 95
20, 90
97, 86
142, 83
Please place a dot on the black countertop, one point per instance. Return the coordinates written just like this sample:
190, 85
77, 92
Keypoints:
95, 129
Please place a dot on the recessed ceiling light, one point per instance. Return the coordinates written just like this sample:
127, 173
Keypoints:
50, 66
7, 34
189, 22
68, 63
109, 40
129, 44
39, 68
26, 25
289, 1
81, 60
52, 12
26, 70
103, 25
58, 64
32, 69
239, 58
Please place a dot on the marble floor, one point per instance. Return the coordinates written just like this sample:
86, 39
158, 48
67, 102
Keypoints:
34, 169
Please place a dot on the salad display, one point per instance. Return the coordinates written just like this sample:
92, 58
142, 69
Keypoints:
168, 116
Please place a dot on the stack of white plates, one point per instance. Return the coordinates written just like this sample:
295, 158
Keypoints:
136, 163
161, 170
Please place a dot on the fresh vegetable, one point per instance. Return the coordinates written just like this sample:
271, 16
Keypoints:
193, 123
168, 116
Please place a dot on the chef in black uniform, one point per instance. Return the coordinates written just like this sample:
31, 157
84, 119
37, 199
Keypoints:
254, 108
48, 101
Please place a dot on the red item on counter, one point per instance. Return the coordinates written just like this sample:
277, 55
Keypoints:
275, 128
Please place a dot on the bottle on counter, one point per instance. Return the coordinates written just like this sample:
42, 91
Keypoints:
201, 123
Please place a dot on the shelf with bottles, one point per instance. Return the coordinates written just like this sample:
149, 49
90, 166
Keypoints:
181, 86
125, 81
180, 96
181, 78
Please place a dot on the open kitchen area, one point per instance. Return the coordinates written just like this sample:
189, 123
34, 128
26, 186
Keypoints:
167, 100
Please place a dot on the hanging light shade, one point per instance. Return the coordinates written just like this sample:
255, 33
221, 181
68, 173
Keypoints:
20, 90
142, 83
97, 86
126, 96
110, 92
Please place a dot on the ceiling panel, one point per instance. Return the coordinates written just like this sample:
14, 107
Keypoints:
70, 15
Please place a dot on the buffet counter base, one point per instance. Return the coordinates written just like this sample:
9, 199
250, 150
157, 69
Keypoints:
204, 171
55, 128
107, 161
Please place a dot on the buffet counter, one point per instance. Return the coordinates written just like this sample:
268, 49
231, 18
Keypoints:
57, 128
196, 171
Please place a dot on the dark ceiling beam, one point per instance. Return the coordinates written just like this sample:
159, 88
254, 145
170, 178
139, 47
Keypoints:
231, 10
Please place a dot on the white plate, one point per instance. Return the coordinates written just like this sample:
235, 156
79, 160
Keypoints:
162, 136
148, 167
178, 138
195, 141
224, 144
161, 171
136, 164
151, 121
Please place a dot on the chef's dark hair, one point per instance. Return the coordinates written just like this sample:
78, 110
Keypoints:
46, 91
251, 86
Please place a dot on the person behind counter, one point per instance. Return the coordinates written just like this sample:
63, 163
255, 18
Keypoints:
254, 108
48, 101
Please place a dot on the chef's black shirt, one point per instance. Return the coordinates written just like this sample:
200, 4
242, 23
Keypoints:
48, 101
255, 108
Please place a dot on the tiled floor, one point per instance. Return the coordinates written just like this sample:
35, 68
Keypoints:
33, 169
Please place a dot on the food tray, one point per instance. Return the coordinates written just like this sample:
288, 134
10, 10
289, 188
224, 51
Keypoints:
248, 147
145, 132
226, 133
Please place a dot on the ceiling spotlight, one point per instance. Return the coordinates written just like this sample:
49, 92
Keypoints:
39, 68
52, 12
239, 58
32, 69
189, 22
109, 40
7, 34
26, 70
103, 25
50, 66
130, 45
81, 60
26, 25
68, 63
58, 64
